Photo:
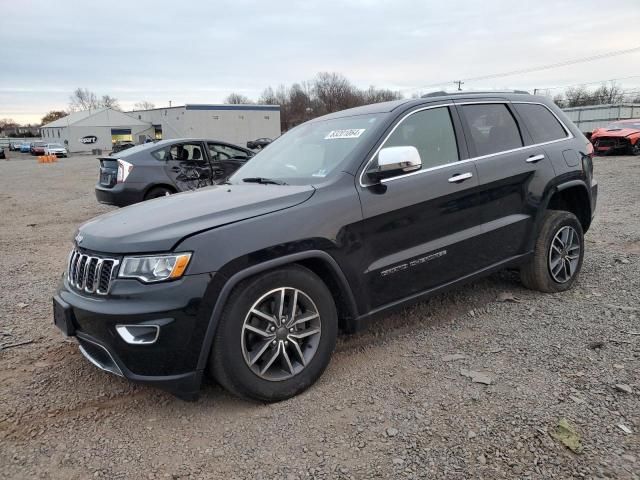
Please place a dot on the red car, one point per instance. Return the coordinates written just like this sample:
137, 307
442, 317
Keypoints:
622, 136
37, 148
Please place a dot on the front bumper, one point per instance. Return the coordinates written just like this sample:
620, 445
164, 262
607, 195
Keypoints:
120, 195
605, 145
171, 361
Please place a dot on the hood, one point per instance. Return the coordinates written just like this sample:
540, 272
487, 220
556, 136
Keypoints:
624, 132
158, 225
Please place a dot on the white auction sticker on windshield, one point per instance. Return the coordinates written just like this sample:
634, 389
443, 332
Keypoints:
347, 133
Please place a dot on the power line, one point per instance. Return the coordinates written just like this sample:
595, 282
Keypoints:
589, 83
539, 68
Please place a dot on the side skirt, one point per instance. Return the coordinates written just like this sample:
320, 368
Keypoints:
363, 321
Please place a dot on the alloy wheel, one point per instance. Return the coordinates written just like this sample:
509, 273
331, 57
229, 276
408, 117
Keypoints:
280, 334
564, 254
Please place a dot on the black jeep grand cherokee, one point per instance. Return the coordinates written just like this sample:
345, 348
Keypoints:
343, 218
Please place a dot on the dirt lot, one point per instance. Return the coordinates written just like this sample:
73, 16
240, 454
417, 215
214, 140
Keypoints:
393, 403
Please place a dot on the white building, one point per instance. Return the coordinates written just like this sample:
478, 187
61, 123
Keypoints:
99, 128
230, 123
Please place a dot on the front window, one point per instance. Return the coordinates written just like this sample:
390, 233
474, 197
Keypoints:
431, 132
311, 152
219, 152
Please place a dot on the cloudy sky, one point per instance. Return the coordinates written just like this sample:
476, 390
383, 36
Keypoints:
200, 51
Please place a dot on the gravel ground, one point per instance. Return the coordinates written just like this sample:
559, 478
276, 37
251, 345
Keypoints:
397, 400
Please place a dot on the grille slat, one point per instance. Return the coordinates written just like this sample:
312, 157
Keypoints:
91, 274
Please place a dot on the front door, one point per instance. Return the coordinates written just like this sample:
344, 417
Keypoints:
225, 160
420, 228
187, 165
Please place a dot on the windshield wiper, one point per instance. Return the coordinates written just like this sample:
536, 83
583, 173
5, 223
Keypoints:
263, 180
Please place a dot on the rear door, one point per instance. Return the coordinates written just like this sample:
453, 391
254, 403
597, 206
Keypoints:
188, 166
512, 172
421, 228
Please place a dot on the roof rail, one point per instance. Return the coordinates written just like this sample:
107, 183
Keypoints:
441, 93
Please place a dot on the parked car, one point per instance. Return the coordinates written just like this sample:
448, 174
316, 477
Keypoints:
15, 146
2, 155
55, 149
121, 145
25, 147
259, 143
622, 136
158, 169
37, 148
343, 218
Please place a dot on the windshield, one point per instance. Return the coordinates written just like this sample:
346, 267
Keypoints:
620, 126
311, 152
55, 145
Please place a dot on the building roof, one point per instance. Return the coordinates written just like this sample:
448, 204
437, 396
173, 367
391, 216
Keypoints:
99, 117
212, 106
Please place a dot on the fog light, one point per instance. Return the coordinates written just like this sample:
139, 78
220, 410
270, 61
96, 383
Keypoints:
139, 334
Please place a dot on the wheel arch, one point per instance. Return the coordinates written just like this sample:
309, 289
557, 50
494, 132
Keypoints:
318, 261
156, 185
572, 196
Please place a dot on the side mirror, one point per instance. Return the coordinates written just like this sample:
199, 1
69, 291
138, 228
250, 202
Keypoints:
395, 161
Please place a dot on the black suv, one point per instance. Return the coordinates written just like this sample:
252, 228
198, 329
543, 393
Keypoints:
343, 218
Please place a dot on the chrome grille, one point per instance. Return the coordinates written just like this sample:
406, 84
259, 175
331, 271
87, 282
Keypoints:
91, 274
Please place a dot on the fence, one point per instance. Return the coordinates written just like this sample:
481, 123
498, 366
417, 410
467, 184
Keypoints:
5, 141
587, 119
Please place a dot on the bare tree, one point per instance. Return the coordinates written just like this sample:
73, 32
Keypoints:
144, 105
237, 99
334, 92
326, 93
376, 95
85, 99
110, 102
577, 97
268, 97
82, 99
607, 94
7, 123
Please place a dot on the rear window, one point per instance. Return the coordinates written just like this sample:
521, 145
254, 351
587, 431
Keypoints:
493, 128
541, 123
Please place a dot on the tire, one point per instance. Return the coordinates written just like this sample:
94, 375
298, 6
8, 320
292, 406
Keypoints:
544, 272
157, 192
235, 345
635, 149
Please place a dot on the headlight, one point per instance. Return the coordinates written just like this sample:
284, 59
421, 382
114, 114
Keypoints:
155, 268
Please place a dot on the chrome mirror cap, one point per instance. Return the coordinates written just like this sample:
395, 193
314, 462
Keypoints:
396, 160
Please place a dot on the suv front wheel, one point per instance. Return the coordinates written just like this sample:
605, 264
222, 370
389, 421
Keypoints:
558, 254
276, 335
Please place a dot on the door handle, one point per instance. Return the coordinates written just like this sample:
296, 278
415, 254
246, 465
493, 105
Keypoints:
460, 177
535, 158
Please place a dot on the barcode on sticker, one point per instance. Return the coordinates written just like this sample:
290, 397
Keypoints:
347, 133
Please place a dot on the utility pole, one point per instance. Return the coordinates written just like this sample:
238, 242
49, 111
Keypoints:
460, 83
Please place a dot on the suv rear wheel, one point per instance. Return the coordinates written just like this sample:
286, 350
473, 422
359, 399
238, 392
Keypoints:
276, 335
558, 254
